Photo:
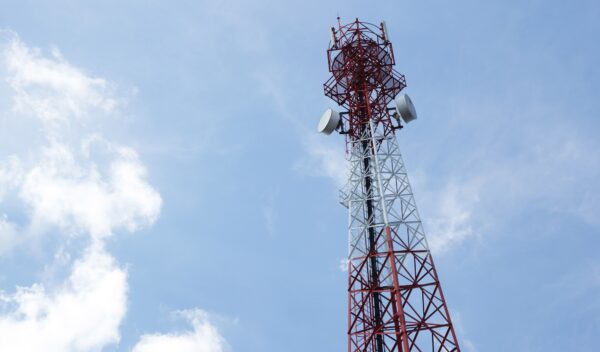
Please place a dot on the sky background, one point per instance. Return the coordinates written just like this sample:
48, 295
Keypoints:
163, 187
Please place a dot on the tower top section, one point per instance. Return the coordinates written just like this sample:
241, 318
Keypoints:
363, 81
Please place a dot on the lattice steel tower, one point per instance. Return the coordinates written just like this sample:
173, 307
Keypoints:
395, 301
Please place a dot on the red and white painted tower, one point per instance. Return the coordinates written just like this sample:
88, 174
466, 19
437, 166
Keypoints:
395, 301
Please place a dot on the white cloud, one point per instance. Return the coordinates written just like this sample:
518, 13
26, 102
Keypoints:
204, 337
92, 185
83, 184
72, 191
83, 314
50, 88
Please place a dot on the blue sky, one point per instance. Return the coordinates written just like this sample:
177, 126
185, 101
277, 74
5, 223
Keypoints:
162, 185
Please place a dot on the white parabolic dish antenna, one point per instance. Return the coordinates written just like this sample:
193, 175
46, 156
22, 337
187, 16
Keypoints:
329, 121
405, 108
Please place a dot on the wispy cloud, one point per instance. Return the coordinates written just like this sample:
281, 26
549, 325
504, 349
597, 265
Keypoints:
50, 88
543, 165
324, 158
459, 328
452, 219
269, 217
343, 265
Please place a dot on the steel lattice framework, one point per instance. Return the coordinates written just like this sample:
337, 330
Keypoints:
395, 302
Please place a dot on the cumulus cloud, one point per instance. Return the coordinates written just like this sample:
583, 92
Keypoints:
82, 314
72, 191
91, 186
203, 337
87, 186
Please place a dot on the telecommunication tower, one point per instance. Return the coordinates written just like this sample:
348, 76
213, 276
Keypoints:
395, 301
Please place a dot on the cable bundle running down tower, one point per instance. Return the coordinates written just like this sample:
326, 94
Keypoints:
395, 302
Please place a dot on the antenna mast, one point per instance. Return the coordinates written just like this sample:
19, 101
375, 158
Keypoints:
395, 301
